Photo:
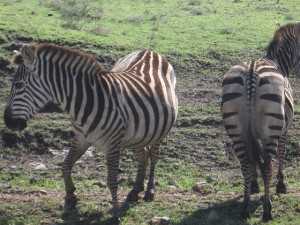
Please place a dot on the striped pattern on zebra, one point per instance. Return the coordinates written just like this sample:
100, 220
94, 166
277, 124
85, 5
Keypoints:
257, 109
131, 106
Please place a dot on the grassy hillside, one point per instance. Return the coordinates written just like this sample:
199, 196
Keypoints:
202, 39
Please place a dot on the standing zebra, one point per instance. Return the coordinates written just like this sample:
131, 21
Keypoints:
257, 109
132, 106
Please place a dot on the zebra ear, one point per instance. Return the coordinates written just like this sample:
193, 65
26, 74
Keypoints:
275, 44
28, 54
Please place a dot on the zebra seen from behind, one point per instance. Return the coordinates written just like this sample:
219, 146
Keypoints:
131, 106
257, 109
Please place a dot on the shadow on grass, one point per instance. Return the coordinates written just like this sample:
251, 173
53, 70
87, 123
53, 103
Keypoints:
74, 218
225, 213
4, 218
91, 218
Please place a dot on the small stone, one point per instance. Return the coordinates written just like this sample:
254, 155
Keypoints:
39, 192
100, 184
121, 170
88, 154
38, 166
160, 221
54, 152
171, 182
213, 217
203, 188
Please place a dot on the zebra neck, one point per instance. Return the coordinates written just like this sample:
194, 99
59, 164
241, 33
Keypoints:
280, 63
284, 58
70, 85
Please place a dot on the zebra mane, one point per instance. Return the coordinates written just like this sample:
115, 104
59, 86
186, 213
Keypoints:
54, 48
280, 34
16, 59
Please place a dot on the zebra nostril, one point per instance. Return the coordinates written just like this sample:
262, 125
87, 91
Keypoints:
8, 116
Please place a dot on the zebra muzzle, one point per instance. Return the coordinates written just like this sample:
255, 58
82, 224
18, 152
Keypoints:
12, 123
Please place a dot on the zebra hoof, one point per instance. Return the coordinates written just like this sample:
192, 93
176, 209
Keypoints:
132, 196
70, 203
245, 214
267, 217
149, 195
254, 187
280, 188
115, 221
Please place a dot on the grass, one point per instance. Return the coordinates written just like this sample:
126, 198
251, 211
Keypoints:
202, 39
171, 29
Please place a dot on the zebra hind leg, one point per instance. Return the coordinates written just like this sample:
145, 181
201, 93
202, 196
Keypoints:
280, 187
247, 170
154, 156
267, 174
254, 184
77, 150
142, 157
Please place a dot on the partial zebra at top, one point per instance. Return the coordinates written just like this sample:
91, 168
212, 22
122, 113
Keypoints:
284, 49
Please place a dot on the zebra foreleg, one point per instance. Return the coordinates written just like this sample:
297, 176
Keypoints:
142, 158
77, 150
113, 156
280, 187
154, 156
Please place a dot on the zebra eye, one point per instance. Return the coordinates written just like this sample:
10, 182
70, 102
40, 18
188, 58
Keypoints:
19, 84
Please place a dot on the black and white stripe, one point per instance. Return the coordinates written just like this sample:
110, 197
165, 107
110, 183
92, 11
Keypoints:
131, 106
257, 109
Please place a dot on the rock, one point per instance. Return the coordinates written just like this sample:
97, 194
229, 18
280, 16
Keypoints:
92, 149
56, 152
100, 184
203, 188
171, 182
160, 221
88, 154
213, 217
38, 166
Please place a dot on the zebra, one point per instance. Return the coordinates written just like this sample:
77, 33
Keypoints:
257, 110
133, 105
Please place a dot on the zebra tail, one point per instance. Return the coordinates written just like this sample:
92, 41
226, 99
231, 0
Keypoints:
250, 137
253, 146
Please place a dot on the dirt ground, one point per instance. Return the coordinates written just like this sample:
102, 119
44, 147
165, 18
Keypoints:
209, 149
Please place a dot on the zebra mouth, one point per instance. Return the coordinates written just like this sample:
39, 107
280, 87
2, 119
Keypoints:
14, 124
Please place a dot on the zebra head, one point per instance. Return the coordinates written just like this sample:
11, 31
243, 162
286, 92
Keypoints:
27, 94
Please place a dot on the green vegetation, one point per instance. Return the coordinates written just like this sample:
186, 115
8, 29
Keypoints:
202, 39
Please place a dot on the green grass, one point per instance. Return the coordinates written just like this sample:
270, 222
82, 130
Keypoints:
172, 28
202, 39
